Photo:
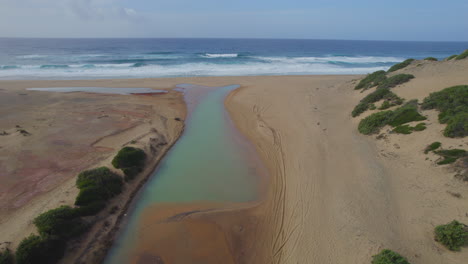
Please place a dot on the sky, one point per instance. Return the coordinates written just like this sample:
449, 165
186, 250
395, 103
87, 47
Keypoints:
429, 20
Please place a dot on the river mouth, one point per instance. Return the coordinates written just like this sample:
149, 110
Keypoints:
211, 167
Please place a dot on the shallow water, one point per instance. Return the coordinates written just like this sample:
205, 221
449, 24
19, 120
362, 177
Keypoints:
103, 90
208, 163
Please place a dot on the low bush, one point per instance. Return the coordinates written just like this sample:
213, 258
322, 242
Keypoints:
387, 256
420, 127
451, 57
59, 223
395, 80
452, 235
450, 155
432, 147
34, 250
463, 55
129, 157
97, 186
452, 103
371, 80
403, 129
431, 59
405, 114
407, 129
373, 97
90, 209
131, 172
6, 257
373, 123
400, 65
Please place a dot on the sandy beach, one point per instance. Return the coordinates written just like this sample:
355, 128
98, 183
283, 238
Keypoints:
332, 196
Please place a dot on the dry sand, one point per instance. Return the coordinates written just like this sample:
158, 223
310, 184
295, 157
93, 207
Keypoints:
334, 195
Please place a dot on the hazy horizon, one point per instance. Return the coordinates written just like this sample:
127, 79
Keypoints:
297, 19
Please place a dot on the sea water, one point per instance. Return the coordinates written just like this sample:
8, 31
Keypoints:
137, 58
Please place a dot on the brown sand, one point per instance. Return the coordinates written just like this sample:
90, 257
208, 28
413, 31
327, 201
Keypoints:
335, 196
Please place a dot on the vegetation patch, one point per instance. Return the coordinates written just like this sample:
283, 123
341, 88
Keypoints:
462, 56
130, 160
371, 80
60, 223
395, 80
431, 59
450, 155
6, 257
373, 123
451, 57
391, 100
452, 104
400, 65
407, 129
387, 256
452, 235
373, 97
405, 114
432, 147
35, 249
97, 186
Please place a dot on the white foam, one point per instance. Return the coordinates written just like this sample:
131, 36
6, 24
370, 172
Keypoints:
188, 69
227, 55
362, 59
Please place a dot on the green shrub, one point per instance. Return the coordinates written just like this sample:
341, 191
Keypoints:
59, 223
131, 173
372, 107
395, 80
373, 123
431, 59
371, 80
97, 186
37, 250
452, 235
452, 104
450, 155
129, 157
462, 56
90, 209
432, 147
373, 97
457, 126
420, 127
451, 57
400, 65
385, 105
387, 256
403, 129
6, 257
405, 114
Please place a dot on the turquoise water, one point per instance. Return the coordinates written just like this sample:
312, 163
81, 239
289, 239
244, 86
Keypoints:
208, 163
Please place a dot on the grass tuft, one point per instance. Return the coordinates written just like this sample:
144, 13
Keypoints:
400, 65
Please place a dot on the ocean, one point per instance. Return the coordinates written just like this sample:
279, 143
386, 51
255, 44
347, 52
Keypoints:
142, 58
